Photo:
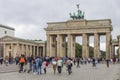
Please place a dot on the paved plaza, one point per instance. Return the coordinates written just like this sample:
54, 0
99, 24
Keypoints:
85, 72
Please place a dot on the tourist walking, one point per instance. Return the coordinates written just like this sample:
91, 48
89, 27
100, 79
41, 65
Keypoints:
22, 62
74, 61
59, 65
107, 62
69, 64
78, 62
33, 65
25, 67
1, 60
38, 65
54, 63
17, 58
30, 59
45, 65
6, 60
93, 61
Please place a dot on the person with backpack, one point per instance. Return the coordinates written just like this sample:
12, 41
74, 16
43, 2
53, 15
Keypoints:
22, 62
45, 65
30, 59
37, 61
69, 64
40, 65
17, 59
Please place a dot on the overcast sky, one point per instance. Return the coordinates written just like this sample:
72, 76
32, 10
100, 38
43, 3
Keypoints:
30, 17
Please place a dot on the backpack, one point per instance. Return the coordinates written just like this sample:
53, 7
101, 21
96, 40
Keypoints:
40, 63
22, 59
46, 63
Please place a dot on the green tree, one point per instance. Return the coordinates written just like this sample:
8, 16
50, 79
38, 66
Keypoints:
78, 51
91, 51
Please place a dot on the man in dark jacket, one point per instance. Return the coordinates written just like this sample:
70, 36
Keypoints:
30, 59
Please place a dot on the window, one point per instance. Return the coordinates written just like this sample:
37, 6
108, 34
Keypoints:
5, 32
9, 47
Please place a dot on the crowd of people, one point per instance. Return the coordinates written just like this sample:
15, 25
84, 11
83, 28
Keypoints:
38, 64
7, 60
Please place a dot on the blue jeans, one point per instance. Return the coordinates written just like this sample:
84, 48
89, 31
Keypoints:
30, 67
39, 71
33, 68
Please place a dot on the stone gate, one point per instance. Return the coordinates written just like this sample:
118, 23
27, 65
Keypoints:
58, 32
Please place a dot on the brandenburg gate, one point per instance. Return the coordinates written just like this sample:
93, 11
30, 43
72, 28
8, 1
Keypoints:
60, 33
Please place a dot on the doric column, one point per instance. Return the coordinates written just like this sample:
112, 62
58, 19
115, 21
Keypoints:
34, 50
48, 45
53, 46
12, 52
96, 46
4, 50
27, 52
118, 45
31, 50
37, 50
108, 45
58, 45
119, 49
85, 50
22, 51
44, 51
63, 46
73, 46
17, 50
111, 51
69, 45
41, 51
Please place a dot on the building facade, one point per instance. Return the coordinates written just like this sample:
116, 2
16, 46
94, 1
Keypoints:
5, 30
12, 47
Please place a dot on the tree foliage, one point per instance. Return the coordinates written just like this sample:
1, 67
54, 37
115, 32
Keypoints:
78, 51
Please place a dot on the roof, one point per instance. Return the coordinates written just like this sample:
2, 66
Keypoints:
22, 40
40, 41
4, 26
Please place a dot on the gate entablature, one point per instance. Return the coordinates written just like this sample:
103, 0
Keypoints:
115, 42
80, 26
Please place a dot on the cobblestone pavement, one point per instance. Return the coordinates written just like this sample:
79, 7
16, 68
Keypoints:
9, 68
85, 72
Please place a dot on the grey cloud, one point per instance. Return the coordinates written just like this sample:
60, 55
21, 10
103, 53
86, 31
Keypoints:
34, 14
